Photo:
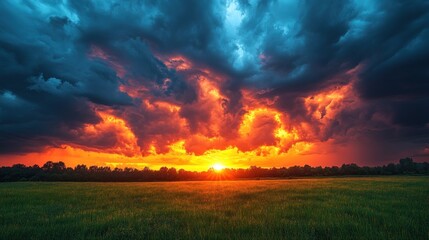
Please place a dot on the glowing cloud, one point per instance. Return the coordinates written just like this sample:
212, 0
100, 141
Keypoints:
235, 83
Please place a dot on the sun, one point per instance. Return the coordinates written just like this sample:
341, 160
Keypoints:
218, 167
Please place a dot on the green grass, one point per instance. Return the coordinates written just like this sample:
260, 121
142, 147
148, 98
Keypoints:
324, 208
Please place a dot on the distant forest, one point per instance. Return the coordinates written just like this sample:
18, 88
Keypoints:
57, 171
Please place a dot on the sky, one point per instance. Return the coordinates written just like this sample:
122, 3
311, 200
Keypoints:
190, 84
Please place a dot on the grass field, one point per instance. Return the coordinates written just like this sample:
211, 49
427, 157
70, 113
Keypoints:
324, 208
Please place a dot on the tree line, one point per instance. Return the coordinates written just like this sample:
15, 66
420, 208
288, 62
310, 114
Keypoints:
57, 171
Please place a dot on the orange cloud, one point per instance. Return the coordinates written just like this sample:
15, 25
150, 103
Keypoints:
160, 130
123, 139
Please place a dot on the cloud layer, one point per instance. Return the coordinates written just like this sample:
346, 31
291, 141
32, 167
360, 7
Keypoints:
265, 78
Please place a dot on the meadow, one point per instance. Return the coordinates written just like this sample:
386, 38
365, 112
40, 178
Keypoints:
314, 208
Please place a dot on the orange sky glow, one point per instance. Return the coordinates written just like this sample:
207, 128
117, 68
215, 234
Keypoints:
258, 135
234, 83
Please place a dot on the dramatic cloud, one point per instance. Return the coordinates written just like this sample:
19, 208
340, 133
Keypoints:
241, 82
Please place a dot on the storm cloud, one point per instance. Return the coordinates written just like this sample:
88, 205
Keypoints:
141, 77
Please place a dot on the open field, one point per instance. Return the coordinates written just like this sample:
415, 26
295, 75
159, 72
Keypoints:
324, 208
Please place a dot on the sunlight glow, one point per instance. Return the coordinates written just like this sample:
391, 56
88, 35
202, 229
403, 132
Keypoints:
218, 167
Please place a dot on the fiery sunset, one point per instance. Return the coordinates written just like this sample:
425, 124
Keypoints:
234, 83
214, 119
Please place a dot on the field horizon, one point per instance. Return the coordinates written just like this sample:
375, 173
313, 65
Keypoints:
58, 171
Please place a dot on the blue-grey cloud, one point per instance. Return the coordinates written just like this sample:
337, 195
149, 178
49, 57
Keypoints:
60, 58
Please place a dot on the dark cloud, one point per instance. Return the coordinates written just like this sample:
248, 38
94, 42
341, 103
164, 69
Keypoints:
47, 80
386, 42
61, 62
411, 112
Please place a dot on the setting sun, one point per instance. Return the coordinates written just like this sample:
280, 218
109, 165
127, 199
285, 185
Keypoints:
218, 167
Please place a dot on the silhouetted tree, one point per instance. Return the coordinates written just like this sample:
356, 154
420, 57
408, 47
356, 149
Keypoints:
406, 164
57, 171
